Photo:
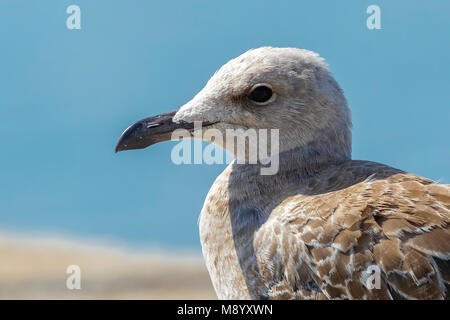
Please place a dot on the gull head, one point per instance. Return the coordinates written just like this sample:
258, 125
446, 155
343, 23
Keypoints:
287, 89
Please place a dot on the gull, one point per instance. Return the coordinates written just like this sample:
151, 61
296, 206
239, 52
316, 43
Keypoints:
324, 226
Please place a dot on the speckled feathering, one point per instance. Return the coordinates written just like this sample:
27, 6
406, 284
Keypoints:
312, 230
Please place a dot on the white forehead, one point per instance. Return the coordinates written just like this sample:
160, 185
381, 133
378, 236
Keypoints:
264, 58
268, 62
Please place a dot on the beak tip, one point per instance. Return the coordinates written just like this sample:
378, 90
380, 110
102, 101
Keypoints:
119, 147
146, 132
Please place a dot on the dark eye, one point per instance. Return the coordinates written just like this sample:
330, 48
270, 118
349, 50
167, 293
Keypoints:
260, 94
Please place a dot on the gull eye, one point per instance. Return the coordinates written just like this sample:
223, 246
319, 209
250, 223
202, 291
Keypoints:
261, 94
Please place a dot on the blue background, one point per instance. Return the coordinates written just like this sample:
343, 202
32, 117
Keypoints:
66, 96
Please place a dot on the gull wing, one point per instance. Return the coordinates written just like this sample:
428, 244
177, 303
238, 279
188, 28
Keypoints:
328, 245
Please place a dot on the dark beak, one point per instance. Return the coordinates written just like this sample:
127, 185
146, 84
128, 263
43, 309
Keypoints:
149, 131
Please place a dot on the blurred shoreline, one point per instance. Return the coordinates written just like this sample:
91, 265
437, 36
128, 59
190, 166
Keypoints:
34, 267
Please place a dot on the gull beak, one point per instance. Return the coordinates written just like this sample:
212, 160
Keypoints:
149, 131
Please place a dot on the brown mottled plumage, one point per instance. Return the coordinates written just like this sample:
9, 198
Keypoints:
326, 229
317, 227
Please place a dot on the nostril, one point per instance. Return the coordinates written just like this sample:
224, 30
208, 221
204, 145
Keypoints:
152, 125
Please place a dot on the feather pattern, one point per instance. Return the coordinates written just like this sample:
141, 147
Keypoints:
318, 242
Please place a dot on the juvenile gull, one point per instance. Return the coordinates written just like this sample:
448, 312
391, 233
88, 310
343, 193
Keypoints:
324, 222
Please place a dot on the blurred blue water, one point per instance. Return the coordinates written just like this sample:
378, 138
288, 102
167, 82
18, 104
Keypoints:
66, 95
